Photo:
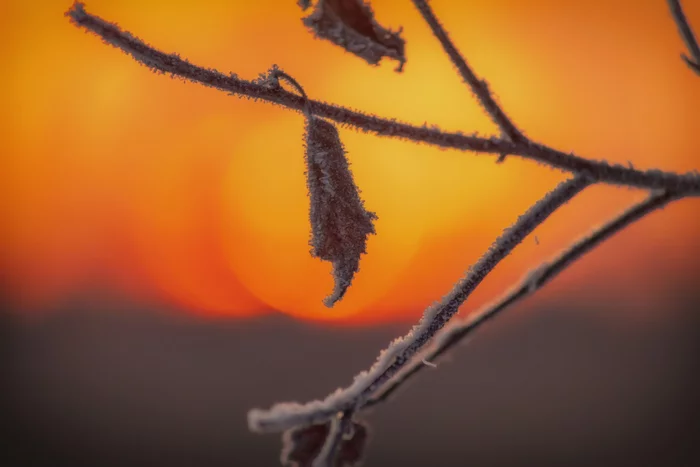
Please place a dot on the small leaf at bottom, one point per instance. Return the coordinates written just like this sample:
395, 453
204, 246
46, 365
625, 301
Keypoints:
302, 445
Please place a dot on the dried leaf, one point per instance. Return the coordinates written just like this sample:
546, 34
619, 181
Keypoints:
351, 25
302, 445
339, 222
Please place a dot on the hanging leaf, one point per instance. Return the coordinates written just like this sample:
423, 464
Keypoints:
339, 222
302, 445
351, 25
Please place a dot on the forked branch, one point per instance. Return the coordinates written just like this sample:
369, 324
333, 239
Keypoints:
460, 330
399, 361
399, 353
407, 355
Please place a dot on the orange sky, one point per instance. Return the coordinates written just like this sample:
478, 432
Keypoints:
116, 177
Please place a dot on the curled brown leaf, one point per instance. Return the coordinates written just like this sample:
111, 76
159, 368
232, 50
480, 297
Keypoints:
339, 222
351, 25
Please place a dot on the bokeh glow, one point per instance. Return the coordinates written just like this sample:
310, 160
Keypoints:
114, 176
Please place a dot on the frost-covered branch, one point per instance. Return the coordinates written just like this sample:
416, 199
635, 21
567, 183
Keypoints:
171, 63
393, 359
463, 329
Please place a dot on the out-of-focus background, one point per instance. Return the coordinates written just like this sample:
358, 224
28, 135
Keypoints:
154, 256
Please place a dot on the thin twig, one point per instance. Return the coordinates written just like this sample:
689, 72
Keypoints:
478, 87
171, 63
394, 358
535, 280
687, 35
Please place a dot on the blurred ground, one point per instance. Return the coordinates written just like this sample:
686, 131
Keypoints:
107, 383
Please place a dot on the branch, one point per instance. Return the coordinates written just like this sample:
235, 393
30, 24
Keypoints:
535, 280
392, 360
401, 359
687, 35
171, 63
478, 87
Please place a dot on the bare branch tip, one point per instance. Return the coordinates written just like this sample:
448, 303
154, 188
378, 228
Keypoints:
687, 34
695, 67
76, 12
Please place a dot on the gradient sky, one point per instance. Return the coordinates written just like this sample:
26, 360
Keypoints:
116, 177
